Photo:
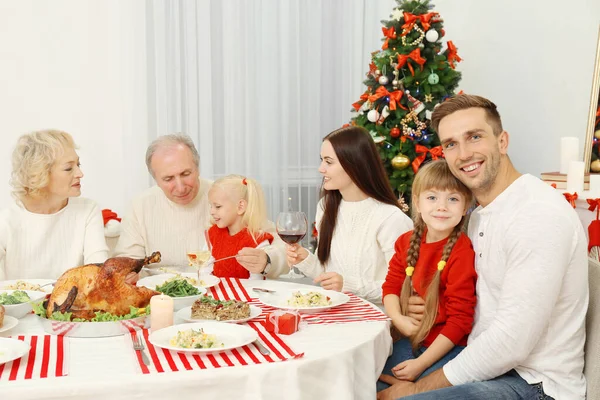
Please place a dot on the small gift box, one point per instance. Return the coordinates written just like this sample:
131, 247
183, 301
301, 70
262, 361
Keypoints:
282, 322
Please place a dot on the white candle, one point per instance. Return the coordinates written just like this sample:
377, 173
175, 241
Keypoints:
161, 312
595, 185
575, 177
569, 151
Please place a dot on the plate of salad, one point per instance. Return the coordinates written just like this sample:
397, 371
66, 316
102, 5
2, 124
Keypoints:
102, 325
183, 288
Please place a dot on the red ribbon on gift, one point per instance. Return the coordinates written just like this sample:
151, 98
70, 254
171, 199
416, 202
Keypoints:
571, 198
411, 19
363, 97
389, 33
107, 215
414, 55
435, 152
394, 96
452, 55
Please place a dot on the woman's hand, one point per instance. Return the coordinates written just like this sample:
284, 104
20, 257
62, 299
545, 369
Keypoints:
408, 370
295, 254
330, 281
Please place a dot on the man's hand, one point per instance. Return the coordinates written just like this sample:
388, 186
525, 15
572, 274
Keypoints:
416, 307
408, 370
295, 254
330, 281
254, 260
397, 390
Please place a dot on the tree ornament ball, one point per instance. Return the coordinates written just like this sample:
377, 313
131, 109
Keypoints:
597, 134
396, 82
400, 161
395, 132
373, 115
432, 35
433, 78
595, 166
383, 80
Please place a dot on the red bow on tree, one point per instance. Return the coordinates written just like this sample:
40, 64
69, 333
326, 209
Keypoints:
411, 19
452, 55
436, 152
394, 96
571, 198
389, 33
414, 55
594, 228
363, 97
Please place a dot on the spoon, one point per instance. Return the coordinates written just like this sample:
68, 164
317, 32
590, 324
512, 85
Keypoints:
257, 289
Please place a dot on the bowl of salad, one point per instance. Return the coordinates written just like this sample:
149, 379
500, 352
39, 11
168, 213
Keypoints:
183, 288
17, 303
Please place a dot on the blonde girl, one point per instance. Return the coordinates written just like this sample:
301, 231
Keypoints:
238, 213
434, 261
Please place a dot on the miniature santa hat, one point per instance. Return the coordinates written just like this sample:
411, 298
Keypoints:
417, 105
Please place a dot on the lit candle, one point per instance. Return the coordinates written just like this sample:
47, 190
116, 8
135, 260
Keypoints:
595, 185
575, 177
161, 312
569, 151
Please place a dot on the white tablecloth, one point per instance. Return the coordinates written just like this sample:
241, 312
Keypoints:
341, 361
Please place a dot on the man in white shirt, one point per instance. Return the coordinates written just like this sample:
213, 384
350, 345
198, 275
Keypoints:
172, 216
532, 290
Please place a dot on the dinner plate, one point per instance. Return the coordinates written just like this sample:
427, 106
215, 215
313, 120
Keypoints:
152, 282
280, 297
231, 335
11, 349
9, 323
186, 315
47, 289
159, 269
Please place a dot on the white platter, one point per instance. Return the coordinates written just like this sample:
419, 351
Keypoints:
9, 323
159, 269
280, 297
231, 335
48, 289
22, 309
186, 315
153, 281
11, 349
92, 329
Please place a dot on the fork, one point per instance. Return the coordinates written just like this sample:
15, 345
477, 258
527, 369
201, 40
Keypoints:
138, 345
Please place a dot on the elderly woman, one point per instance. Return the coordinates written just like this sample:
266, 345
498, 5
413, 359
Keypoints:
50, 228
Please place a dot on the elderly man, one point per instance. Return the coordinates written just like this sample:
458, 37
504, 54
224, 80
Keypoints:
172, 216
531, 259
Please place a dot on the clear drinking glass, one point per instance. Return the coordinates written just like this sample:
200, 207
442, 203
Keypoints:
292, 227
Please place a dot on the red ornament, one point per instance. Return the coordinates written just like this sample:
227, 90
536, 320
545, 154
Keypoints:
443, 32
395, 132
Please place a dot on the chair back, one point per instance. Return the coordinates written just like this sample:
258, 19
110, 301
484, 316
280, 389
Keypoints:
592, 342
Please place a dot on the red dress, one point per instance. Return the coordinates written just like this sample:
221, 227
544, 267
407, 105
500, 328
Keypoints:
457, 284
225, 245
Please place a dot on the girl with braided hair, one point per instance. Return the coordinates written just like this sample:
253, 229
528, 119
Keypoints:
434, 261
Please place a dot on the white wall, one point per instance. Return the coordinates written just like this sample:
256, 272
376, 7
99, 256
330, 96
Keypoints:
80, 66
77, 66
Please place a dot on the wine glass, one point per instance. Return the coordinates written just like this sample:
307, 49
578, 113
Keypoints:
292, 227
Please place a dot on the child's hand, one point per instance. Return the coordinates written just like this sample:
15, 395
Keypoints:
254, 260
408, 370
330, 281
406, 325
295, 254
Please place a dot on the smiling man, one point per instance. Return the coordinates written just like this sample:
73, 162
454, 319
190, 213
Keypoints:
531, 260
172, 216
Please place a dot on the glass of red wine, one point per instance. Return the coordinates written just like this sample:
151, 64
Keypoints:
291, 228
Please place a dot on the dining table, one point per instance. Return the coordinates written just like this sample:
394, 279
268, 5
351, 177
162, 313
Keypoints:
337, 353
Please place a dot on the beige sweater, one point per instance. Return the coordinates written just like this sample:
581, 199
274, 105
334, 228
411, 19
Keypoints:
155, 223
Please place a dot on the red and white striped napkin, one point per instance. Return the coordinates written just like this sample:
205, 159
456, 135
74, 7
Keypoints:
170, 361
47, 357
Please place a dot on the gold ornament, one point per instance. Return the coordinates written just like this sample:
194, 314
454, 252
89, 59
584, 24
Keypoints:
597, 134
400, 161
419, 125
428, 98
594, 166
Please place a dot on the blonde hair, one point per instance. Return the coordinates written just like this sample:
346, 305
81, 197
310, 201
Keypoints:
434, 175
32, 159
247, 189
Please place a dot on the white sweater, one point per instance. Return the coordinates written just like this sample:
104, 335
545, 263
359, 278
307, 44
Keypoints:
532, 291
155, 223
45, 245
362, 245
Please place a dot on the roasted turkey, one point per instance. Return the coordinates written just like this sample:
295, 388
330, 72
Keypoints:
100, 287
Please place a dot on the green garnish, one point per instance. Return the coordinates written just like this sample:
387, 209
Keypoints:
178, 288
101, 316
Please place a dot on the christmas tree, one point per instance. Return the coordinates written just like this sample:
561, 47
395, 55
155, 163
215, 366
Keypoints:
412, 73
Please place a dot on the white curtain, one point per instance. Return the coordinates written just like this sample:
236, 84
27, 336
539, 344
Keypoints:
258, 83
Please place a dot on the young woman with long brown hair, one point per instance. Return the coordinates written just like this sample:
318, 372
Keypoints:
434, 261
358, 218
